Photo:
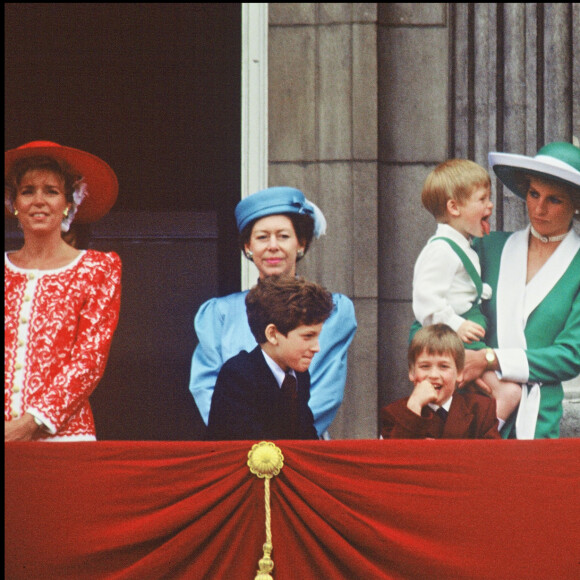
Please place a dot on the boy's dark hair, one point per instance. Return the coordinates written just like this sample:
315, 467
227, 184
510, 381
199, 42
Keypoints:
287, 302
437, 339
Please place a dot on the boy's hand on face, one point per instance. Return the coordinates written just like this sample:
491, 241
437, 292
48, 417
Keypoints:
470, 331
424, 392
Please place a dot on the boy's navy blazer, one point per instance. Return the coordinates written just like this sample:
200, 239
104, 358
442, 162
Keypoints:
247, 402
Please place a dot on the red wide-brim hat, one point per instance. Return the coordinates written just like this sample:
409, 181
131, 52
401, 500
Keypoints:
101, 181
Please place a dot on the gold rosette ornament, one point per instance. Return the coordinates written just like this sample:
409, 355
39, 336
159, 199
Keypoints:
265, 460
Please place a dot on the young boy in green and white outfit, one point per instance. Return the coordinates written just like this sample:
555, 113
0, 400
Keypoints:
447, 285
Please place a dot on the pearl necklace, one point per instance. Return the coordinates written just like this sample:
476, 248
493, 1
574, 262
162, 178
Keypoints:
546, 239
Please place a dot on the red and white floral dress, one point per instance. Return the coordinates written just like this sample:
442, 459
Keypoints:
58, 328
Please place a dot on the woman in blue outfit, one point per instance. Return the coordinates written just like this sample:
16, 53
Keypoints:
276, 228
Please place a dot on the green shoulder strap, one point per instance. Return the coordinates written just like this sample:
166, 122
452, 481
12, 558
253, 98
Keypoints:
467, 263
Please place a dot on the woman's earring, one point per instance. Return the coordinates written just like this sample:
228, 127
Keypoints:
300, 254
577, 211
65, 212
15, 212
250, 255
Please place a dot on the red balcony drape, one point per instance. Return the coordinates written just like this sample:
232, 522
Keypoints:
340, 510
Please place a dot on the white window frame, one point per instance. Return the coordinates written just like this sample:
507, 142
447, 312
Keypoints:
254, 111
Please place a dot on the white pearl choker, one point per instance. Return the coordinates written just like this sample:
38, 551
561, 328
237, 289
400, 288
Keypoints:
547, 239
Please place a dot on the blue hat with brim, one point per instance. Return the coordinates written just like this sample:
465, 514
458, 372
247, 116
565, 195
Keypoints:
558, 161
278, 200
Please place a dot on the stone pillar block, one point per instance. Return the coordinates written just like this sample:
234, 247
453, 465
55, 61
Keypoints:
323, 140
335, 256
413, 82
393, 333
335, 12
364, 92
334, 118
365, 230
412, 13
364, 12
570, 425
281, 13
292, 94
357, 417
404, 226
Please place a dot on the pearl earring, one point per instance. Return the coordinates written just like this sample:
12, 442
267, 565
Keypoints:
249, 255
65, 212
300, 254
15, 212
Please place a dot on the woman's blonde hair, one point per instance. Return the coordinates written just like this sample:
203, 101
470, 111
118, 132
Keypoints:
453, 179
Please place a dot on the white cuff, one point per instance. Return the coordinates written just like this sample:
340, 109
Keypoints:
46, 425
513, 364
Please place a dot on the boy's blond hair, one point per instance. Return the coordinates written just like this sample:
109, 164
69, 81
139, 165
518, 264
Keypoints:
453, 179
437, 339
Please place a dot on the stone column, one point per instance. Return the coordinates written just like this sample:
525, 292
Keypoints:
323, 140
413, 138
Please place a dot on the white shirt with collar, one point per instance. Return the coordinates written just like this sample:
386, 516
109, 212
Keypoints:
279, 374
442, 288
446, 405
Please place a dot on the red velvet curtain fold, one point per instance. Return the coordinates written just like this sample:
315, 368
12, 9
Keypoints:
340, 510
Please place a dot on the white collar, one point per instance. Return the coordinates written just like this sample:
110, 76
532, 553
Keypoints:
279, 374
37, 272
447, 231
515, 298
445, 405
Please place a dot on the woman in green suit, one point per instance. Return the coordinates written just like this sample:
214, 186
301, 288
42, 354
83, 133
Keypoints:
534, 312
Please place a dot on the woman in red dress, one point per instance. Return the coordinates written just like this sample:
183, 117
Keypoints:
61, 304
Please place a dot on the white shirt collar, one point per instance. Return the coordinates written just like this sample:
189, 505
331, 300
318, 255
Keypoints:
279, 374
447, 231
445, 405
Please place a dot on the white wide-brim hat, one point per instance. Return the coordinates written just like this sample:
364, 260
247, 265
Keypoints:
558, 161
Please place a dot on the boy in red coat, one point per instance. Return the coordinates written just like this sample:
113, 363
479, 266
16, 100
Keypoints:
436, 409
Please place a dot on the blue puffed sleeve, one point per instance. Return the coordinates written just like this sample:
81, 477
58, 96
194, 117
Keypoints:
222, 330
221, 325
328, 367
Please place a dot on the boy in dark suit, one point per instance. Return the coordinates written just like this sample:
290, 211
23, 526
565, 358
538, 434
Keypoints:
264, 394
436, 409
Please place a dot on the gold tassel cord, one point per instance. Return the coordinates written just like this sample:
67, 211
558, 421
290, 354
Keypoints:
265, 460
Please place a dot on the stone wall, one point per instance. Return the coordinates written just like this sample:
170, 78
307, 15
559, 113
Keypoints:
323, 140
413, 54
